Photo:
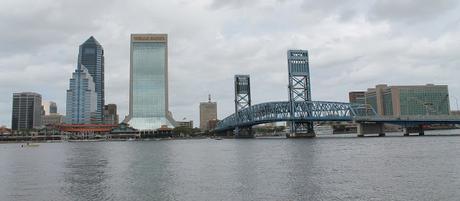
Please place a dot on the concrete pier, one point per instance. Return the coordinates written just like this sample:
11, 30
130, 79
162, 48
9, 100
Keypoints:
414, 129
370, 128
244, 133
301, 135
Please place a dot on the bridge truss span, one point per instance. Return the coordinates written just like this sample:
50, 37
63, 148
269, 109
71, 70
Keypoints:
305, 111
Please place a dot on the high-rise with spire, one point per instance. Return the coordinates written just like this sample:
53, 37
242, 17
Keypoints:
91, 56
208, 112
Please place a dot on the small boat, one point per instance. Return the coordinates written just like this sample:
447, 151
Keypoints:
30, 145
218, 138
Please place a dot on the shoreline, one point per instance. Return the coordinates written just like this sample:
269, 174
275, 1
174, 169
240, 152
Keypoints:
321, 136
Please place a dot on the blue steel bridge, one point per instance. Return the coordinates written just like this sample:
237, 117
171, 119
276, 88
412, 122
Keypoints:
317, 111
300, 111
305, 111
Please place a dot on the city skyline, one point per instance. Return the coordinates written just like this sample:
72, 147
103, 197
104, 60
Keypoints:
352, 45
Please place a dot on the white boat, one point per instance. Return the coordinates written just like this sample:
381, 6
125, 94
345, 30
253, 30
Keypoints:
30, 145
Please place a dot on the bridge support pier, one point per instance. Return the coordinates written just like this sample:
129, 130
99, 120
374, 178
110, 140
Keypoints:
244, 132
301, 135
301, 130
414, 129
370, 128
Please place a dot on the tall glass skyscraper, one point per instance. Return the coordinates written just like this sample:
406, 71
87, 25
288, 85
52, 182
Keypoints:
91, 55
81, 98
148, 95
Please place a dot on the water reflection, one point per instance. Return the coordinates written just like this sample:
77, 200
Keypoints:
85, 172
414, 168
149, 172
29, 173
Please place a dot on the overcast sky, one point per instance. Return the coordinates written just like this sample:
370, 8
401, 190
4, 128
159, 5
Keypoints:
353, 46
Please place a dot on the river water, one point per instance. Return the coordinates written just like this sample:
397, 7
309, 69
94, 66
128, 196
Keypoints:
324, 168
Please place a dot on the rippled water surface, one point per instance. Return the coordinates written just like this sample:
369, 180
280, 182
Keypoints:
325, 168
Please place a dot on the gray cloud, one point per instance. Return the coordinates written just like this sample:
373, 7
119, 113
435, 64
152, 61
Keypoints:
353, 45
411, 11
217, 4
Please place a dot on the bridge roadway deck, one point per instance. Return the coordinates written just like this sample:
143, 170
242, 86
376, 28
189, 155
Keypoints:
410, 120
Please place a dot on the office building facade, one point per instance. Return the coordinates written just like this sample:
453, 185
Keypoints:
148, 94
358, 97
407, 100
53, 119
208, 112
53, 108
185, 124
110, 114
81, 98
91, 55
50, 107
27, 111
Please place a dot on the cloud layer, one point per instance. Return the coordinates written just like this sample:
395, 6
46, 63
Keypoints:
353, 45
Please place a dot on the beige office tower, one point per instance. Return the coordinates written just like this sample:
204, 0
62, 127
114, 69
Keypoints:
406, 100
208, 112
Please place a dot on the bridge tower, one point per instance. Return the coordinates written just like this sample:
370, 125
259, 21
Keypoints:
299, 91
242, 101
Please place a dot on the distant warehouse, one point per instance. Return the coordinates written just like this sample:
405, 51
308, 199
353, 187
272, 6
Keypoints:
405, 100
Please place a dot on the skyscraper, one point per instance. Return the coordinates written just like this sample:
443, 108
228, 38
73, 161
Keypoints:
81, 97
27, 111
53, 108
50, 107
91, 55
208, 112
148, 91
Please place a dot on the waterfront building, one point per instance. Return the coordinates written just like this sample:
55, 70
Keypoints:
81, 97
123, 128
27, 111
409, 100
5, 131
50, 107
110, 114
91, 55
186, 124
53, 119
86, 130
358, 97
123, 131
148, 88
208, 112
